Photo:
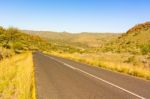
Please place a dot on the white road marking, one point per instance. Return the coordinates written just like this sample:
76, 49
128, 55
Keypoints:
132, 93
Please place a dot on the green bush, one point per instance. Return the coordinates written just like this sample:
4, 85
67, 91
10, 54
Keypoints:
18, 45
145, 49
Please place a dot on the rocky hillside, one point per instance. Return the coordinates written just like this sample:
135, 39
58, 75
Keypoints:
136, 39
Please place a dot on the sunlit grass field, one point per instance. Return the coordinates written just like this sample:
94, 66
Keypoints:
17, 77
114, 63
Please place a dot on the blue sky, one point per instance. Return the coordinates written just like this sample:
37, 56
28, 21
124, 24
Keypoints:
74, 15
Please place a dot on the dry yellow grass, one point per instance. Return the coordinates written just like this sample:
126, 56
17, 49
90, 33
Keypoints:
17, 77
100, 61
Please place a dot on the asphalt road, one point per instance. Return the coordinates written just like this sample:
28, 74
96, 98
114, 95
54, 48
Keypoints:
59, 78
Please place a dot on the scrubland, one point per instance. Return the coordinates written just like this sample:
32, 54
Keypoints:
127, 53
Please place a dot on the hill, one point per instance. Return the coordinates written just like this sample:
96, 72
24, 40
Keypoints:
135, 40
13, 40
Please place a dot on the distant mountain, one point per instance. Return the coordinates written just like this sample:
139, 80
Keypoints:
80, 40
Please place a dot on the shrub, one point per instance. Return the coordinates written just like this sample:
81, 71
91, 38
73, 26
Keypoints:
5, 53
130, 59
145, 49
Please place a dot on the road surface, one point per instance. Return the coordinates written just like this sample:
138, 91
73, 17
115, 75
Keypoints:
59, 78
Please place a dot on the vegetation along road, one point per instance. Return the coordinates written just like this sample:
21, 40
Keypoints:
59, 78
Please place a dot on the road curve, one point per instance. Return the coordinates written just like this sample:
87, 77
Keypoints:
59, 78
